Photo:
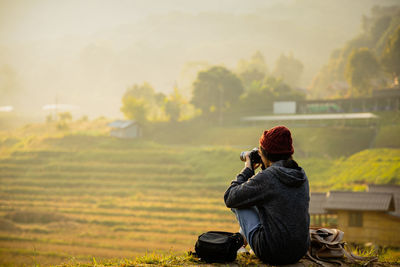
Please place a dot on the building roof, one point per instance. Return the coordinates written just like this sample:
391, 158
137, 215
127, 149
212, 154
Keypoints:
393, 189
317, 203
122, 124
333, 116
386, 92
363, 201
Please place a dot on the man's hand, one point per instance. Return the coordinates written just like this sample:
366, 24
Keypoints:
248, 163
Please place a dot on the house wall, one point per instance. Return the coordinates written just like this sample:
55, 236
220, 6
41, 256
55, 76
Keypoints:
117, 133
377, 227
129, 132
132, 131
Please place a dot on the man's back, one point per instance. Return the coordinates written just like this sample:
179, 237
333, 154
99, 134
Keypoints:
281, 195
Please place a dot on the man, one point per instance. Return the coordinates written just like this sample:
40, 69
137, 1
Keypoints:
272, 206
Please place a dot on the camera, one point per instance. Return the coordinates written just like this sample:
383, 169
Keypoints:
253, 155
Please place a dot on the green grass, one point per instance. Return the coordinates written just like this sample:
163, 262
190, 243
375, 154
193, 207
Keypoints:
375, 166
325, 142
388, 137
164, 259
151, 197
68, 195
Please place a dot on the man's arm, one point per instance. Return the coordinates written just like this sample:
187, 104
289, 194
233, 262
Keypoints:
245, 192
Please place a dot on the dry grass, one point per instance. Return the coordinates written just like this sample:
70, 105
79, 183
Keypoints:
77, 198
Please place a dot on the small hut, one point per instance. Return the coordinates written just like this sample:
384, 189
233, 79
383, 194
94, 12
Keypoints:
366, 217
393, 189
318, 214
124, 129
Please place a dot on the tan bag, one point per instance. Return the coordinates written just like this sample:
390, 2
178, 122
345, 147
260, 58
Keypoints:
327, 245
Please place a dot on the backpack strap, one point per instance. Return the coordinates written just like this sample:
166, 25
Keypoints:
314, 259
334, 241
322, 262
354, 258
327, 246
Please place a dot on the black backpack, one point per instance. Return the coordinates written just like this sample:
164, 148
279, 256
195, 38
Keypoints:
216, 246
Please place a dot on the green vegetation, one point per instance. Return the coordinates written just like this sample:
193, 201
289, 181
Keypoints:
377, 166
219, 96
215, 90
289, 69
88, 196
391, 54
362, 66
378, 40
253, 70
71, 197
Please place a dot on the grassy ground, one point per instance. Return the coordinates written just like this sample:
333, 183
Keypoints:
185, 259
79, 196
86, 197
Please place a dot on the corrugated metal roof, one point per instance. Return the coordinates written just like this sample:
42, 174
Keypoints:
317, 203
371, 201
334, 116
393, 189
121, 124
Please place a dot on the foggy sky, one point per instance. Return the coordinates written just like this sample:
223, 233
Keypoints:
86, 53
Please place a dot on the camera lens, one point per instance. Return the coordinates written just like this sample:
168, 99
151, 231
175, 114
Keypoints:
243, 155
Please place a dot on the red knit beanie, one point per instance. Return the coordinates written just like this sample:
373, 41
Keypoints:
277, 140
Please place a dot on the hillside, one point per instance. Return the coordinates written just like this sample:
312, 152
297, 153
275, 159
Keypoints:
98, 197
81, 196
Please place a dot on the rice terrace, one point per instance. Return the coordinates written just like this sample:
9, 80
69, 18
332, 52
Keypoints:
111, 199
128, 129
69, 196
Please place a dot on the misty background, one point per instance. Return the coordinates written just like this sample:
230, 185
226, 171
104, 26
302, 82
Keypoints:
87, 53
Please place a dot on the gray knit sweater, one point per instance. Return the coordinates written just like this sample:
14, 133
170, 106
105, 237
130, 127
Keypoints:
282, 196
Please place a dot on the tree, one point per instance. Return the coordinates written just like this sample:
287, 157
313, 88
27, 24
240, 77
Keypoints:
391, 55
135, 108
260, 96
282, 91
330, 81
289, 69
215, 90
173, 105
252, 70
144, 99
65, 116
257, 99
188, 74
144, 91
361, 68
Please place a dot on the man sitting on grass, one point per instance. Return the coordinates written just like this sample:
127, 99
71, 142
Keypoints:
272, 205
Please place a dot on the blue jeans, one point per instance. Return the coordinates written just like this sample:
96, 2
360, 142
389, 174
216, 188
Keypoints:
249, 222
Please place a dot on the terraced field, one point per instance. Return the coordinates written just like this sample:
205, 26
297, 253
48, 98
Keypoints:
85, 198
82, 197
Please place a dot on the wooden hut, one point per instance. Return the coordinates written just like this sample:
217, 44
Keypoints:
318, 214
124, 129
366, 217
394, 190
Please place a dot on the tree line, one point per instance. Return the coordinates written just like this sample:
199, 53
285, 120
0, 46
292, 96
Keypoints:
219, 92
369, 61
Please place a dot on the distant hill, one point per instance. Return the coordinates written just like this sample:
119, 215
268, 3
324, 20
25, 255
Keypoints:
93, 70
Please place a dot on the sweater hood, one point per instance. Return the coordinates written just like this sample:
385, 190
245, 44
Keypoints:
288, 176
